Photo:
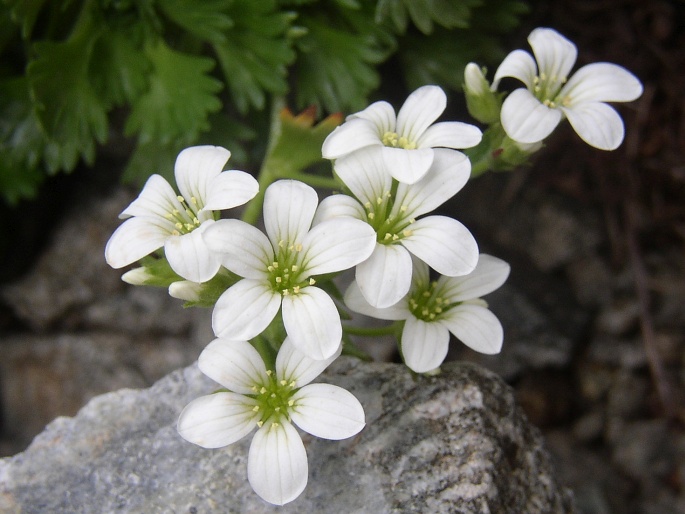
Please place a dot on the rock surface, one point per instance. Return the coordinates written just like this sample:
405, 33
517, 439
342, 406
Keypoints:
452, 443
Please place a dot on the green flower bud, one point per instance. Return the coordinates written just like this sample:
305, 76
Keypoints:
483, 104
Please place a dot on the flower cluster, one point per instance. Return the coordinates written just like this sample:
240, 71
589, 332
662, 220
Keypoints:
276, 309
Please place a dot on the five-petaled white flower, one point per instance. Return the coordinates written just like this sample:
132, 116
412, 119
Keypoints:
433, 309
279, 269
391, 209
271, 400
406, 141
161, 218
530, 114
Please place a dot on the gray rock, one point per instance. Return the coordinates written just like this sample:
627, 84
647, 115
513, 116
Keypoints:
42, 377
452, 443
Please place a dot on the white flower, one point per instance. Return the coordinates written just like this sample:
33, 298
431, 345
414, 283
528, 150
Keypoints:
433, 309
442, 242
530, 115
271, 400
406, 142
161, 218
278, 270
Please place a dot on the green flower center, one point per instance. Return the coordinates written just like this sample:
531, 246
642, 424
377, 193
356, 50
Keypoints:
186, 220
274, 399
394, 140
286, 273
546, 89
390, 228
427, 304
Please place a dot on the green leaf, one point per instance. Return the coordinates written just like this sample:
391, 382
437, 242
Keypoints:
21, 142
298, 145
255, 54
149, 158
206, 19
21, 138
424, 13
180, 97
441, 58
70, 111
336, 68
231, 134
120, 71
25, 13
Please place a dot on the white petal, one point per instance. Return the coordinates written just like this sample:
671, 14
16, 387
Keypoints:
292, 365
525, 119
420, 277
444, 244
356, 302
476, 327
195, 169
136, 238
448, 174
327, 411
241, 247
236, 365
424, 345
217, 420
189, 256
420, 109
450, 134
385, 277
407, 166
520, 65
289, 207
349, 137
364, 173
157, 198
602, 82
490, 273
597, 124
554, 54
336, 206
381, 114
277, 466
337, 245
245, 309
312, 322
230, 189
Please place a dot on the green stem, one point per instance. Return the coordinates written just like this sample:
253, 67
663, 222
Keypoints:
369, 331
315, 180
267, 174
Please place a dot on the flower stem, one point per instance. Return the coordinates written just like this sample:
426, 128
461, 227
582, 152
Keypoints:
267, 174
369, 331
316, 180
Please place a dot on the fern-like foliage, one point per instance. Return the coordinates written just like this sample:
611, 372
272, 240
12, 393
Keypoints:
165, 74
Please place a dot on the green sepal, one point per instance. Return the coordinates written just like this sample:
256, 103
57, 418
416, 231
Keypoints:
159, 272
211, 290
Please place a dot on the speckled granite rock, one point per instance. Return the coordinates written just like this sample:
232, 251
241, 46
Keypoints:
453, 443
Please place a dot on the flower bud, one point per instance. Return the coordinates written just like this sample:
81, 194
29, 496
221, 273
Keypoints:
137, 276
483, 104
185, 290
